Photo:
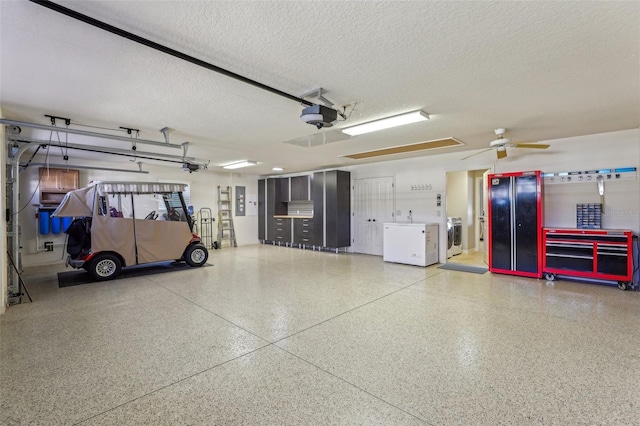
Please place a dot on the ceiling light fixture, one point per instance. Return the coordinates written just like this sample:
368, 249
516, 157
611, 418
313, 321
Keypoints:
239, 164
386, 123
277, 169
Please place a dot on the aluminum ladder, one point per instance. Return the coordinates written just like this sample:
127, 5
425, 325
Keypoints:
226, 231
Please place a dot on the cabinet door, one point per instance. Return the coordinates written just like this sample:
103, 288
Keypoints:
300, 188
58, 179
500, 225
338, 209
261, 209
275, 205
317, 195
283, 194
526, 225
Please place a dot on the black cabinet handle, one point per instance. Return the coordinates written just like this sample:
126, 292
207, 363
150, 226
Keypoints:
374, 220
368, 220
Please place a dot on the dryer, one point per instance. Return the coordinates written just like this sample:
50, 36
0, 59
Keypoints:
454, 236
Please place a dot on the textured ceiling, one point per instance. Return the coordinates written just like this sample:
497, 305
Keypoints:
543, 70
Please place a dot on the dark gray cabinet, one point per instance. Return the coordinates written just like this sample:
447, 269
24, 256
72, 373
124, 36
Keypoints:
300, 186
282, 191
317, 197
337, 209
329, 193
262, 213
276, 195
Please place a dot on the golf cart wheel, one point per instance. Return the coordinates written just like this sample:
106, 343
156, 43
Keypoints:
622, 285
105, 267
196, 255
549, 276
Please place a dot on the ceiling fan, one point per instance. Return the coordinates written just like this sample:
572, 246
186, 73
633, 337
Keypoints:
500, 145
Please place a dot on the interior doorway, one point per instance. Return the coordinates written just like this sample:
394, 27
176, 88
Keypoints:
466, 225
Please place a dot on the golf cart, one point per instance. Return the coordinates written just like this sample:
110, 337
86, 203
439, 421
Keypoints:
120, 224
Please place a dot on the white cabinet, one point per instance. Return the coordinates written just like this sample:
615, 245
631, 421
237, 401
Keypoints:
411, 243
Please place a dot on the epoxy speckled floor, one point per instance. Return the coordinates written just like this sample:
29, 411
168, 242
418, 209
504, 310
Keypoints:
273, 335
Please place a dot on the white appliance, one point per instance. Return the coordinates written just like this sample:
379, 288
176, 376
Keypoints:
410, 243
454, 236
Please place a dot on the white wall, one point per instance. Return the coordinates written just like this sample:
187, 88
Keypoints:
614, 149
204, 185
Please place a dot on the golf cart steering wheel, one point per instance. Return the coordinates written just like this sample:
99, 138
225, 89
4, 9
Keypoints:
174, 215
151, 216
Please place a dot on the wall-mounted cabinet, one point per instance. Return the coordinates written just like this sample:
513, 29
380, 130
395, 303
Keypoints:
55, 183
277, 192
300, 188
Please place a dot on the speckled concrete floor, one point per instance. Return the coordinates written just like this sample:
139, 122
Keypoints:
273, 335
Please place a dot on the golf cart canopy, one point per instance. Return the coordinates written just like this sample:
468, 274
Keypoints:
81, 202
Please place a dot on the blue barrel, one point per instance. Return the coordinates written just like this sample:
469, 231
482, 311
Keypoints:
43, 220
66, 221
56, 225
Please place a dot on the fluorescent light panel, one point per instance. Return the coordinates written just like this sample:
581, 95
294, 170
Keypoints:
386, 123
240, 164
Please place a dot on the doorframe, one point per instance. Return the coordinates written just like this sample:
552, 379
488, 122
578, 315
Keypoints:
443, 221
353, 196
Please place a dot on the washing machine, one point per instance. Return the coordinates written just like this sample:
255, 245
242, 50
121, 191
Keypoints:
454, 236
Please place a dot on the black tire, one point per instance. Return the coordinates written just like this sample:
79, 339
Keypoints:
196, 255
105, 267
549, 276
622, 285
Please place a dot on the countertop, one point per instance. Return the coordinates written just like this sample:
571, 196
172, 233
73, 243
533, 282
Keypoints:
281, 216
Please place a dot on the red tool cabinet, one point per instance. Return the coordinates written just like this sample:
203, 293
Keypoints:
589, 253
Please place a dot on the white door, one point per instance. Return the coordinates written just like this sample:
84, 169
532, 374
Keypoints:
372, 207
484, 223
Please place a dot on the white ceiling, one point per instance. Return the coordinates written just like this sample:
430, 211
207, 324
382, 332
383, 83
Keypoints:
543, 70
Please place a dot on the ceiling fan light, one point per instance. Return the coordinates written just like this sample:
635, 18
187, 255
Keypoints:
387, 123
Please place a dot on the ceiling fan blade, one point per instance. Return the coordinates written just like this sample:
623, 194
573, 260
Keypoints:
502, 153
479, 152
531, 145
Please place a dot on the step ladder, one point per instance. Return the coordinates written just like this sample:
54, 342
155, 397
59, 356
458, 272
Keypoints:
206, 227
226, 231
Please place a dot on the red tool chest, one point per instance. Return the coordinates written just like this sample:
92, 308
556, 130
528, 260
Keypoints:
589, 253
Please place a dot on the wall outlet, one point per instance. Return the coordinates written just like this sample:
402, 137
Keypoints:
438, 213
398, 212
